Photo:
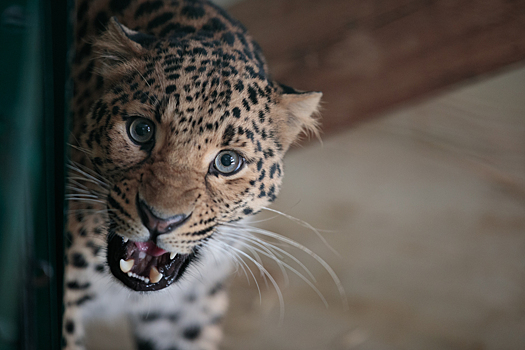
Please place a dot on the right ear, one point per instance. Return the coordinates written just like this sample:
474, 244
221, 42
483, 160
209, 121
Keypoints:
296, 113
119, 44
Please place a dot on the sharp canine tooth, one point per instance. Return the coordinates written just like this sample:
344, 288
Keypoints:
125, 239
154, 275
126, 265
172, 256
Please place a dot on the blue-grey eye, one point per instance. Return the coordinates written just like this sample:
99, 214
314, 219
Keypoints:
228, 162
141, 130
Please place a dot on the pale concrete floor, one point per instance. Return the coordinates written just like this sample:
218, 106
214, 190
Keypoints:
426, 207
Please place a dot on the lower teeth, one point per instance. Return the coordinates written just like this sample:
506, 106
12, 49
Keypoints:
142, 278
155, 276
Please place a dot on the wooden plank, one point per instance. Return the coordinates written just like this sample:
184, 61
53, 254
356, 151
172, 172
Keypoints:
369, 55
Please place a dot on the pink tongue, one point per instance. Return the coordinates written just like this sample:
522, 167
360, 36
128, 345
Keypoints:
150, 248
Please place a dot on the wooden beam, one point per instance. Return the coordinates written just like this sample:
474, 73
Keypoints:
369, 55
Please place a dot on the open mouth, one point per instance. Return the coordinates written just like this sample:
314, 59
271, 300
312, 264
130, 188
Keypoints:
142, 266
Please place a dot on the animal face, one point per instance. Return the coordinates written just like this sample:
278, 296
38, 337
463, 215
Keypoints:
190, 136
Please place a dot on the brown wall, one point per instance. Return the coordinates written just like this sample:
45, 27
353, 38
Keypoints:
369, 55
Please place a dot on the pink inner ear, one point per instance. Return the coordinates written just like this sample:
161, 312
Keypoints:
300, 115
150, 248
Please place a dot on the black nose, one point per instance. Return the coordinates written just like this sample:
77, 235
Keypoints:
155, 225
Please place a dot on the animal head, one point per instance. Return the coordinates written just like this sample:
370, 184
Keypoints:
191, 134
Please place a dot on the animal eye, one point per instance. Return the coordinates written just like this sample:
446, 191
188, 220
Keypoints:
141, 130
228, 162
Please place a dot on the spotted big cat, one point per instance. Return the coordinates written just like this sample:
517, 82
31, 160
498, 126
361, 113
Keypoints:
178, 134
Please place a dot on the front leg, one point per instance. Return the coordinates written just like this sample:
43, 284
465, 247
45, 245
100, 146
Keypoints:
76, 294
189, 321
84, 263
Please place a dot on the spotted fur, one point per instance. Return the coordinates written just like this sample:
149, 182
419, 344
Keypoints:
199, 78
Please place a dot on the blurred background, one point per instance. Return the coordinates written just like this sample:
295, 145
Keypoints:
418, 185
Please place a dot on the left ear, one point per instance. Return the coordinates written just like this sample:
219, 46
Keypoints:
118, 45
297, 114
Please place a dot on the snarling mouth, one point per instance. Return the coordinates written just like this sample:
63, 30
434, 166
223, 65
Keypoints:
142, 266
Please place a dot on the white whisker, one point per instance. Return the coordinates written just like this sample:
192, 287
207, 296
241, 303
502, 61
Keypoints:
87, 177
87, 169
81, 149
91, 211
297, 273
293, 243
264, 271
246, 235
80, 195
223, 247
96, 182
87, 200
304, 224
77, 190
240, 238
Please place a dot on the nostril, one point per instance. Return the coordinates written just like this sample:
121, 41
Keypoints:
169, 224
146, 216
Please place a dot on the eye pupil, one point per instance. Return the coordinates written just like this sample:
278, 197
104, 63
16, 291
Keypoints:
227, 160
142, 129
